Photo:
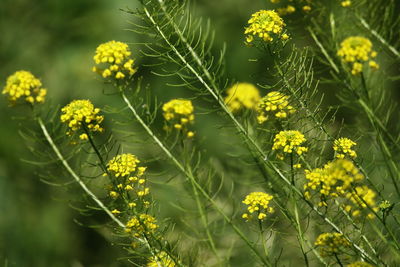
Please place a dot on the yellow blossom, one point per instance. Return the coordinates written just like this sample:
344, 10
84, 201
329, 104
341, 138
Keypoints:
266, 25
275, 105
257, 202
123, 165
331, 243
289, 142
179, 112
115, 211
23, 85
242, 96
81, 116
345, 3
332, 181
142, 224
161, 259
283, 11
357, 50
343, 146
113, 60
364, 199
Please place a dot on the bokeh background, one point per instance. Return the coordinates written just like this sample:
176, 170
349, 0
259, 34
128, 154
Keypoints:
55, 40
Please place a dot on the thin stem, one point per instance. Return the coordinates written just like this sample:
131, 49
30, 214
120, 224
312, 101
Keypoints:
191, 177
263, 240
338, 260
252, 145
75, 176
378, 37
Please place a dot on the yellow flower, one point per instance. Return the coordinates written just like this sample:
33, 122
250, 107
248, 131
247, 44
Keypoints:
123, 165
115, 211
283, 11
289, 142
274, 104
81, 116
331, 243
161, 260
113, 60
141, 225
346, 3
357, 50
343, 146
242, 95
179, 112
22, 84
363, 198
257, 202
332, 181
265, 25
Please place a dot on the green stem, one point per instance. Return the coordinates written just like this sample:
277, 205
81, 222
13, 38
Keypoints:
190, 176
75, 176
263, 240
214, 93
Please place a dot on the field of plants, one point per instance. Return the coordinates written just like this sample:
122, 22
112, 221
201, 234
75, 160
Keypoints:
200, 133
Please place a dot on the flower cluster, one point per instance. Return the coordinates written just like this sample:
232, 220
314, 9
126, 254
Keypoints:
283, 11
23, 84
266, 25
362, 197
140, 225
257, 202
343, 146
360, 264
179, 112
242, 95
331, 243
274, 104
161, 259
332, 181
289, 8
81, 117
130, 176
345, 3
357, 50
113, 59
289, 142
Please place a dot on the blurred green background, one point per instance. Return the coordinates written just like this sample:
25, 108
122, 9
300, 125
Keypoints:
55, 40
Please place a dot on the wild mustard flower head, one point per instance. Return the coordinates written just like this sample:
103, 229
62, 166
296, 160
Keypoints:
113, 60
357, 50
359, 264
81, 117
142, 224
23, 85
334, 180
258, 203
242, 96
289, 142
331, 243
345, 3
343, 146
275, 105
265, 25
161, 259
363, 199
130, 176
283, 11
179, 112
